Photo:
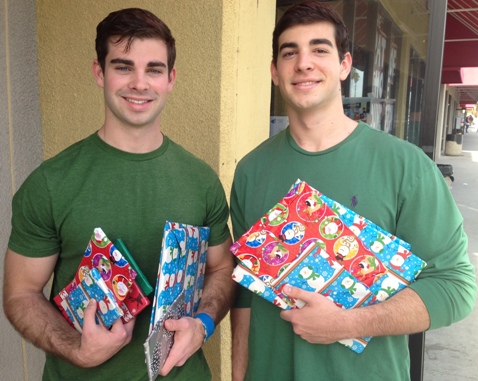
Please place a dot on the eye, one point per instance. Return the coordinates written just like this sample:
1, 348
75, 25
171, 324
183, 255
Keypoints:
288, 53
122, 68
155, 71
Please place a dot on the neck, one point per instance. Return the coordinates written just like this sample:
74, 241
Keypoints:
316, 132
139, 140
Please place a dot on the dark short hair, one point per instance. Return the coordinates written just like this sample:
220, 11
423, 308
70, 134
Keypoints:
129, 24
310, 12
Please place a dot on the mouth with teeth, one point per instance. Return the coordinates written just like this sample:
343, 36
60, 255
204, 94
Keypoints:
137, 101
308, 83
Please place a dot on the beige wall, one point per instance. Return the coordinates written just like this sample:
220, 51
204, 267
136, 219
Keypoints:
219, 109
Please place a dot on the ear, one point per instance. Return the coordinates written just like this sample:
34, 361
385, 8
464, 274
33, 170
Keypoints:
172, 79
274, 75
346, 66
98, 73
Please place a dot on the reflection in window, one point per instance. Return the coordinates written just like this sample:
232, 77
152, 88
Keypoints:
388, 47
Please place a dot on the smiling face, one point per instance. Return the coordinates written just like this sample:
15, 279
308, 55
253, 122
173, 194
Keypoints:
135, 83
309, 71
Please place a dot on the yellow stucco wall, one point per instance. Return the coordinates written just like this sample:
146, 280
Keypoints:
219, 109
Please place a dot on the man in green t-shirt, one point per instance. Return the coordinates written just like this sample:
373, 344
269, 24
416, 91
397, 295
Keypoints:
129, 179
387, 180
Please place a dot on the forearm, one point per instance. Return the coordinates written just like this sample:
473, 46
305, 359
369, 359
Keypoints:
240, 321
30, 312
402, 314
218, 293
219, 288
41, 324
447, 285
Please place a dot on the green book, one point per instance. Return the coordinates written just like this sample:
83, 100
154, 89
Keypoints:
141, 278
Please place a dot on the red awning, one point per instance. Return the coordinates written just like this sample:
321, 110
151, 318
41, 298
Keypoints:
460, 56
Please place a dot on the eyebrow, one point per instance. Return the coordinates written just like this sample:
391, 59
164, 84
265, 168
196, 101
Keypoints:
315, 41
131, 63
321, 41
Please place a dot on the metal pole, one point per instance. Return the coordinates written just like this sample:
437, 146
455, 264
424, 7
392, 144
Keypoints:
435, 47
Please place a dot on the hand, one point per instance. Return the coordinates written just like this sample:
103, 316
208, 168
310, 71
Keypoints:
188, 338
320, 321
98, 343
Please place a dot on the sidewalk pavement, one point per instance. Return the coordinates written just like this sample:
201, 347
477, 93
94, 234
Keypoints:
451, 353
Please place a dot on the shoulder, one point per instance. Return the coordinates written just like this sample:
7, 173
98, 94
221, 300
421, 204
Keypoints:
55, 168
262, 153
397, 162
188, 170
80, 150
393, 148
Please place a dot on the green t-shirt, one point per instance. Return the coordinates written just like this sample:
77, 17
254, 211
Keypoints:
130, 196
392, 183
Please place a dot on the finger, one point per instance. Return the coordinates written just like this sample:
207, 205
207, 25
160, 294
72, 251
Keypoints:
176, 325
117, 325
184, 343
171, 325
170, 362
298, 293
286, 315
129, 326
120, 328
167, 366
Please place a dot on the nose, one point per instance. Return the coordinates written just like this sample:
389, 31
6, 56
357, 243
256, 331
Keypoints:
139, 81
304, 63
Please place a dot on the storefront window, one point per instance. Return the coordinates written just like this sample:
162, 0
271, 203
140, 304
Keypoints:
388, 46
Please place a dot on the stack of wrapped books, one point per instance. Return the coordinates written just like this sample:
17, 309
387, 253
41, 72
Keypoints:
310, 241
178, 288
105, 275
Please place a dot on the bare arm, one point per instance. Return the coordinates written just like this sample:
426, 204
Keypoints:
219, 288
240, 321
216, 299
404, 313
42, 324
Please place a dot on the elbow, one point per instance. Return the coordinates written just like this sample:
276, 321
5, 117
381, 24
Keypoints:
466, 303
8, 307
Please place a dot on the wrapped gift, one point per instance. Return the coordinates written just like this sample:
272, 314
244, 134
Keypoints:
61, 300
178, 288
103, 255
93, 286
140, 279
114, 269
136, 300
310, 241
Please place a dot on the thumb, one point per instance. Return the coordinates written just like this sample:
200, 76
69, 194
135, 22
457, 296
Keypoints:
91, 306
301, 297
89, 313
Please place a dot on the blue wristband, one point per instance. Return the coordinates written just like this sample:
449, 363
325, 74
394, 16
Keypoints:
207, 323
